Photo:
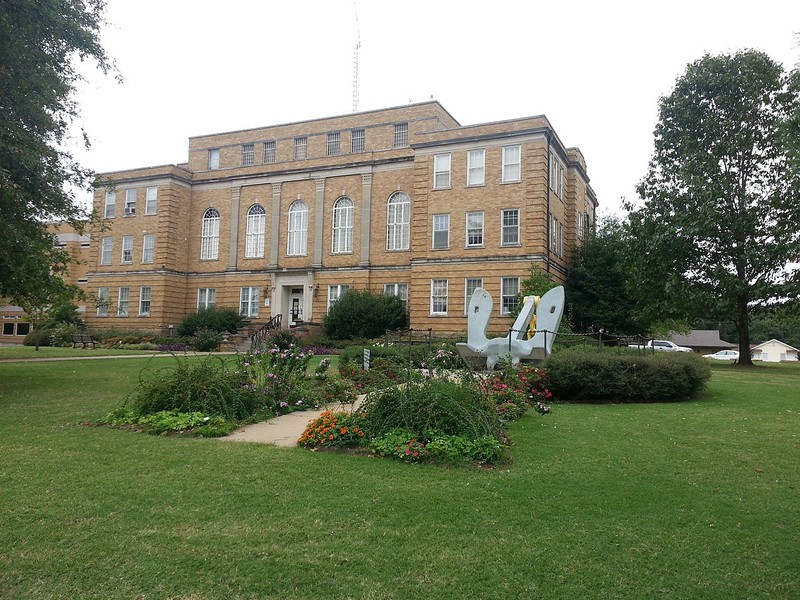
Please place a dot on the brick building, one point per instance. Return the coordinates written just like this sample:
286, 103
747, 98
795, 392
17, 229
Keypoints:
284, 219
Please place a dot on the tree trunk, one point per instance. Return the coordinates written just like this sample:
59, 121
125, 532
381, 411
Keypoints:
744, 333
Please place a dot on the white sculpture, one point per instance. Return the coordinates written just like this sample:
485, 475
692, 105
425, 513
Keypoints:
547, 312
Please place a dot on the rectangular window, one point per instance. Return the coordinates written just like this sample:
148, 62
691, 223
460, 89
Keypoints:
123, 301
334, 146
509, 288
511, 163
510, 228
23, 328
441, 232
554, 235
151, 200
556, 176
110, 205
400, 139
148, 248
248, 301
580, 226
106, 248
476, 167
300, 148
357, 140
213, 159
474, 229
206, 297
145, 294
130, 202
438, 296
561, 240
335, 292
441, 171
397, 289
8, 328
127, 249
269, 152
470, 285
102, 302
248, 155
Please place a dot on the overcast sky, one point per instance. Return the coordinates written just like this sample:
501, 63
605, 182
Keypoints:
595, 69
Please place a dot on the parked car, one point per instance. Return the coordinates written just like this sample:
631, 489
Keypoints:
724, 355
661, 346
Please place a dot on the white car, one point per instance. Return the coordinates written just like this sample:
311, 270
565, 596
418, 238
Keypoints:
724, 355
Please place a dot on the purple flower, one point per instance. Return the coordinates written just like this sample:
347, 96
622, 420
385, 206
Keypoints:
284, 404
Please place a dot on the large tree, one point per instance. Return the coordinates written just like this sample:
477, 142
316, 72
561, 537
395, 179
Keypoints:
720, 223
41, 42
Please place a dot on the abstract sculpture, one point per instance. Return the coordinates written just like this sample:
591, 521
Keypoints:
547, 313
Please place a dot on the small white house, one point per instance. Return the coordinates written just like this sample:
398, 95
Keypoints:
775, 351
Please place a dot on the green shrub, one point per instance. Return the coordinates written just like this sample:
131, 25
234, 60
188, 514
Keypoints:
213, 318
65, 312
334, 430
405, 356
364, 314
62, 334
607, 375
38, 337
206, 340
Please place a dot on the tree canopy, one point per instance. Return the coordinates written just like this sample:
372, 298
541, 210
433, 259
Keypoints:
40, 45
720, 223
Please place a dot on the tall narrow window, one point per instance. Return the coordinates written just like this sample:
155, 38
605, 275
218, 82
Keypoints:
397, 289
248, 155
145, 295
213, 159
102, 302
474, 229
470, 285
398, 221
106, 248
110, 206
269, 152
209, 237
151, 200
248, 301
206, 297
441, 171
130, 202
148, 248
127, 249
476, 167
335, 292
441, 232
554, 235
580, 226
511, 163
123, 301
357, 140
556, 176
509, 288
438, 296
256, 226
510, 227
300, 148
400, 139
298, 229
343, 213
334, 146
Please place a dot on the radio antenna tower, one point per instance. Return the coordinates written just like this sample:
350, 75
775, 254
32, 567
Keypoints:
355, 60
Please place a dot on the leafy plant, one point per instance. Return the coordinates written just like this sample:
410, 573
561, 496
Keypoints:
335, 430
364, 314
276, 371
214, 318
206, 340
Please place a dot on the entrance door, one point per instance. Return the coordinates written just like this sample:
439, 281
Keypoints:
296, 303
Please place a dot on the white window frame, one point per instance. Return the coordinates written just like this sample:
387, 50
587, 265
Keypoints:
512, 164
110, 206
148, 248
335, 292
507, 228
343, 222
474, 283
130, 202
439, 289
474, 232
400, 137
357, 140
297, 231
509, 290
145, 300
151, 200
441, 171
127, 250
206, 297
397, 289
398, 221
213, 159
334, 143
300, 148
255, 231
106, 250
248, 301
270, 152
441, 232
103, 299
476, 167
209, 235
248, 155
580, 226
556, 176
123, 301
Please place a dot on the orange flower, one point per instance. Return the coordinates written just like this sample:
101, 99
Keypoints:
343, 430
330, 437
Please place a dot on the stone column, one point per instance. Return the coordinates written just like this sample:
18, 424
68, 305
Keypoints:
234, 234
366, 218
275, 226
319, 221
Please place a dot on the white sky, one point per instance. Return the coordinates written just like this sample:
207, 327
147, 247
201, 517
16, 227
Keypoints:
595, 69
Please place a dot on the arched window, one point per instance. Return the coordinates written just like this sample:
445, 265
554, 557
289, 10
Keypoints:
343, 225
254, 239
209, 238
298, 229
398, 221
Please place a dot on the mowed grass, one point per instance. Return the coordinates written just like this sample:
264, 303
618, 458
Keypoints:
691, 500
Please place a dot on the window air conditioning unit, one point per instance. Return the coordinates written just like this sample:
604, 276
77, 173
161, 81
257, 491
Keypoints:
130, 210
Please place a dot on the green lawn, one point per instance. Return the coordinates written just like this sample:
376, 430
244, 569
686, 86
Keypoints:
692, 500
